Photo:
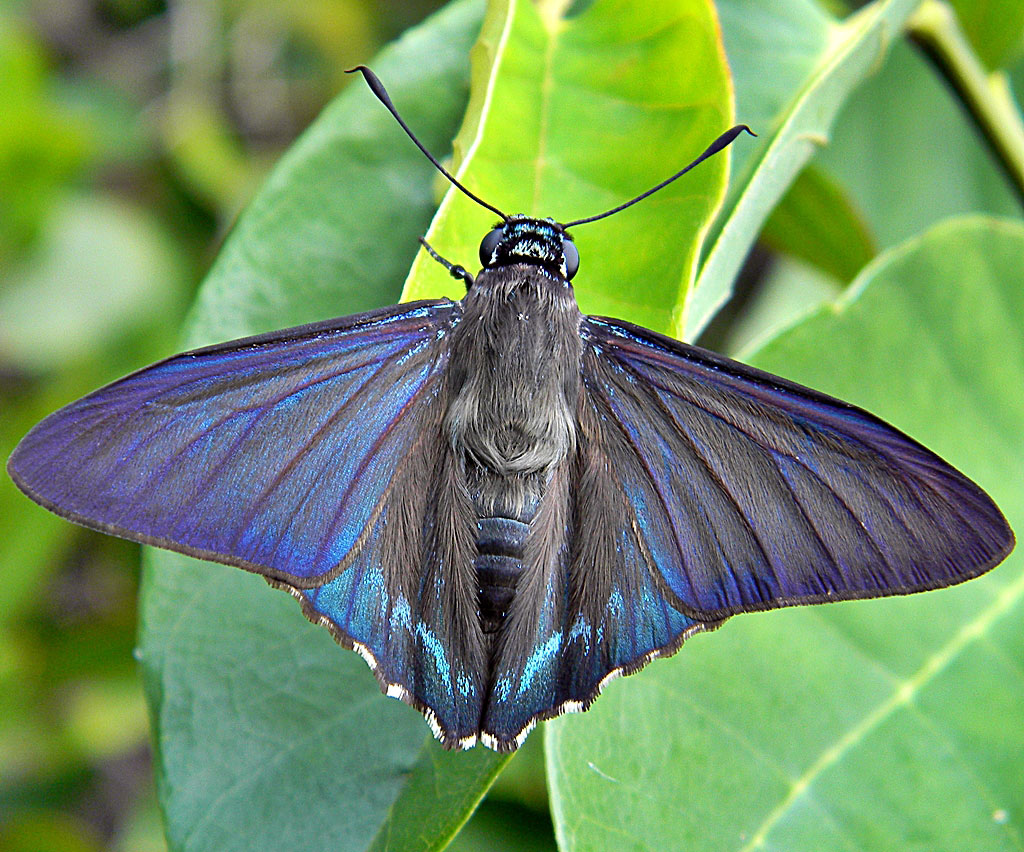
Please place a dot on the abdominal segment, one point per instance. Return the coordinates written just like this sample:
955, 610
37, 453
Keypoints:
499, 564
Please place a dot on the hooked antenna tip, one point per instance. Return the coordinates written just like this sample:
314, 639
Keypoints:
373, 81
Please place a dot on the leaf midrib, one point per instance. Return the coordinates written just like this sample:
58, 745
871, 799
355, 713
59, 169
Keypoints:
902, 696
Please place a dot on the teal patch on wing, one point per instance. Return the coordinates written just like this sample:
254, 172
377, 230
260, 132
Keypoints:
574, 651
414, 655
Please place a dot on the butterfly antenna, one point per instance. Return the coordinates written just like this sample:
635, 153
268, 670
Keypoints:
373, 81
721, 142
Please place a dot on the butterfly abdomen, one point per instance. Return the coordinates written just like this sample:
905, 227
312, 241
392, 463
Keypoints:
499, 564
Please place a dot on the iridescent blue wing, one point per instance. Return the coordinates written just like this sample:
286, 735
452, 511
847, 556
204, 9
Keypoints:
271, 453
749, 492
408, 595
300, 455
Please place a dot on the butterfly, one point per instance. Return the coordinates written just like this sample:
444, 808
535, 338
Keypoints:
502, 503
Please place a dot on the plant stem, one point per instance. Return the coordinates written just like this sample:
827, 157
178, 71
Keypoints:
986, 96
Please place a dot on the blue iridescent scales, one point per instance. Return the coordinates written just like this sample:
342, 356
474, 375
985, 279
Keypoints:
174, 454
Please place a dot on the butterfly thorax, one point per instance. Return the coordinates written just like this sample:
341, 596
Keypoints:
514, 381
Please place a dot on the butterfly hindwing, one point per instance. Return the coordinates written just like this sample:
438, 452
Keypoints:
407, 599
752, 492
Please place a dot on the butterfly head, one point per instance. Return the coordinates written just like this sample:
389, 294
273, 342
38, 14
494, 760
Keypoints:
539, 242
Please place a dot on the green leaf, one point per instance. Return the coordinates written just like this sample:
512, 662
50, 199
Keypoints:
267, 735
440, 793
794, 67
816, 222
571, 116
890, 724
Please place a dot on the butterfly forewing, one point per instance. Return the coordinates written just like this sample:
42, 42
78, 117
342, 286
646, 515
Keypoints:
271, 453
752, 492
406, 598
307, 456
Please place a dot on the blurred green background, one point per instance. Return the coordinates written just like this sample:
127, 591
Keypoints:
132, 135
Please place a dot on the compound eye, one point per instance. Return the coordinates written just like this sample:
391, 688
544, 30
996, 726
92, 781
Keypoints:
572, 258
489, 243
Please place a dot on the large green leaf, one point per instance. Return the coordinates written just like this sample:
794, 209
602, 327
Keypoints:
794, 67
892, 724
574, 115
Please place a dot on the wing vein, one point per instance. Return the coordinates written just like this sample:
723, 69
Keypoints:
654, 484
261, 410
874, 450
314, 438
870, 448
371, 453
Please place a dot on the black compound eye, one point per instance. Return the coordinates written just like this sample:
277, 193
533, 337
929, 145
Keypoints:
489, 243
572, 258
